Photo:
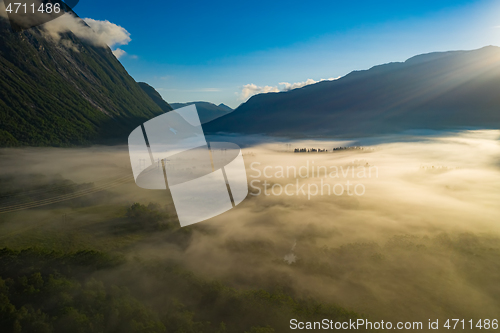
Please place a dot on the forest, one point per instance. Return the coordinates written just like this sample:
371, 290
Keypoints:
84, 248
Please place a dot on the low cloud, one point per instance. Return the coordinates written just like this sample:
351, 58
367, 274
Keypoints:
108, 33
98, 33
251, 89
119, 53
427, 224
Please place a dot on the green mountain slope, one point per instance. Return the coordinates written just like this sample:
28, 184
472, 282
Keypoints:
155, 96
54, 95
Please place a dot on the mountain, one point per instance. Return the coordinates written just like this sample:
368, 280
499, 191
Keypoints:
66, 92
445, 90
207, 111
155, 96
223, 107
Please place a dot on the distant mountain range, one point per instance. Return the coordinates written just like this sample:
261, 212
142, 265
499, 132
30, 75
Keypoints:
66, 93
206, 110
446, 90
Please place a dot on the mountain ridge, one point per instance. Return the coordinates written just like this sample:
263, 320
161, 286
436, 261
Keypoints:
206, 110
66, 92
155, 96
441, 90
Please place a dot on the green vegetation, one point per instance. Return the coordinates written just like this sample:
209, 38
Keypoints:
150, 216
53, 95
79, 288
108, 264
44, 291
94, 282
155, 96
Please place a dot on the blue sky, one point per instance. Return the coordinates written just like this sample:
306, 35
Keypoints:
211, 50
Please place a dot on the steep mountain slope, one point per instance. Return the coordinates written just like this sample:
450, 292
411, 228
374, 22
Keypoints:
207, 111
66, 92
155, 96
433, 91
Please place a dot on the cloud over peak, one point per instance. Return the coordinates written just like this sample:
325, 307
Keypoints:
98, 33
119, 53
108, 33
251, 89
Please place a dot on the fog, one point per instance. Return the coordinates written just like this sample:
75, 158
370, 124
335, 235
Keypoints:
426, 193
421, 242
